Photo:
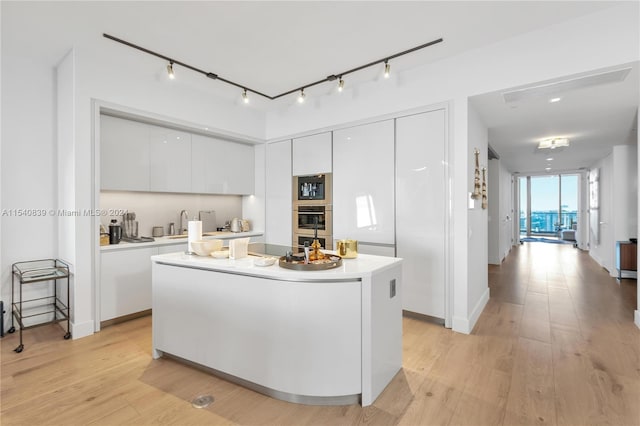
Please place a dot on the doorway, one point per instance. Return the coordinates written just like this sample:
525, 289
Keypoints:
549, 206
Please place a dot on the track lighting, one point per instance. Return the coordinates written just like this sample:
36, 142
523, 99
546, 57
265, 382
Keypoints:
332, 77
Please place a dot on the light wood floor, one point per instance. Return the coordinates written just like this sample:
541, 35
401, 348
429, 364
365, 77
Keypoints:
555, 345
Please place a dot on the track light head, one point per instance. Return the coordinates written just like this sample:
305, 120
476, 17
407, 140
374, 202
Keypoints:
387, 69
340, 85
301, 96
170, 71
245, 97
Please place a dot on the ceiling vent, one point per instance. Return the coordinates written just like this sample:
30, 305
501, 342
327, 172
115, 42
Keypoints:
547, 89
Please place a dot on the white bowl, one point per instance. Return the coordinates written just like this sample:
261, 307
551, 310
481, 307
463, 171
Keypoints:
206, 247
220, 254
264, 261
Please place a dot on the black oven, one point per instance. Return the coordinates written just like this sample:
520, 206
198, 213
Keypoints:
308, 217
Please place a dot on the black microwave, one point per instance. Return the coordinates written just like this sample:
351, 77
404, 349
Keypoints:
315, 187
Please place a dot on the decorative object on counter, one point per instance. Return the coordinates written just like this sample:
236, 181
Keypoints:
333, 77
206, 247
208, 219
236, 225
172, 228
130, 225
194, 233
347, 249
183, 229
239, 248
476, 179
115, 232
104, 236
298, 263
157, 231
220, 254
264, 261
484, 188
246, 226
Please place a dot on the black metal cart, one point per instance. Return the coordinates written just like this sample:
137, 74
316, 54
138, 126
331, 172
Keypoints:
41, 310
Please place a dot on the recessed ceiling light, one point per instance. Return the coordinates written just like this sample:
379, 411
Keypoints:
550, 159
554, 100
547, 168
553, 143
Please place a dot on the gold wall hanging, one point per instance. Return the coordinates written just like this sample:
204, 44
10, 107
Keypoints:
476, 180
484, 187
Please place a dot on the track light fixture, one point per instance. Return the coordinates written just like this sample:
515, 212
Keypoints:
214, 76
245, 97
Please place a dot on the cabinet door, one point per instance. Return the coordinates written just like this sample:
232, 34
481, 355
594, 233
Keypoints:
420, 210
124, 154
170, 160
221, 167
125, 282
363, 183
278, 193
312, 155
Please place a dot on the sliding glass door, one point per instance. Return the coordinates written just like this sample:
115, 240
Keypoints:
548, 204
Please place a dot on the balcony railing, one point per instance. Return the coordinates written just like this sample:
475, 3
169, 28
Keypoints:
548, 223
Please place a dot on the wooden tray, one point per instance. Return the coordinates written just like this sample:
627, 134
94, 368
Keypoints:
300, 266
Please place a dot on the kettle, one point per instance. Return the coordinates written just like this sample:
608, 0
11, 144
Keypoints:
236, 225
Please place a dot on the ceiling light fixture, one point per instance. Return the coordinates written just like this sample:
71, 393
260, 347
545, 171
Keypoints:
170, 71
244, 87
301, 96
550, 159
387, 69
554, 100
553, 143
245, 97
341, 85
547, 168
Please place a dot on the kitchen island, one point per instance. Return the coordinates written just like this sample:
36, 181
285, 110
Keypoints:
314, 337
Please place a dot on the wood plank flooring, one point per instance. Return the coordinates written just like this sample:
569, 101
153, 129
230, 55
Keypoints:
556, 345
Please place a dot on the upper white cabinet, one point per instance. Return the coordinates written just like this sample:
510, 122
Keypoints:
221, 167
421, 210
312, 154
124, 154
169, 160
363, 183
278, 191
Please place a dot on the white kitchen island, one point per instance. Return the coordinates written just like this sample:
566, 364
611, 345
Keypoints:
314, 337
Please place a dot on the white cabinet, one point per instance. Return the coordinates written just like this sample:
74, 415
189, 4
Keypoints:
363, 183
278, 193
421, 208
169, 160
221, 167
124, 154
125, 282
312, 155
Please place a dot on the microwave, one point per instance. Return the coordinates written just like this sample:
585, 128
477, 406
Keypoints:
316, 188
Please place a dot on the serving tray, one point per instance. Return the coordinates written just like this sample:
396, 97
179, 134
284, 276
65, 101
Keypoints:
334, 262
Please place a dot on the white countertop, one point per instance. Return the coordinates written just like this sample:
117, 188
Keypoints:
359, 267
172, 240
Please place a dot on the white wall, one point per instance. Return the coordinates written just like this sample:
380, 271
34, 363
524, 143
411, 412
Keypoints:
160, 209
625, 192
602, 249
500, 191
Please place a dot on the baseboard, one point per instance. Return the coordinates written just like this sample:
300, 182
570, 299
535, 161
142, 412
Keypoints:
79, 330
637, 318
465, 325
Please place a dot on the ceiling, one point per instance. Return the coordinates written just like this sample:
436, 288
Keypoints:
275, 47
593, 117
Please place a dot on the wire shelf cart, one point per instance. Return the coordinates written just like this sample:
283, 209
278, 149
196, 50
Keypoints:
41, 310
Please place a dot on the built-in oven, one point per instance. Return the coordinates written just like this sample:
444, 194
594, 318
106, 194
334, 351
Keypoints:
326, 242
307, 218
314, 189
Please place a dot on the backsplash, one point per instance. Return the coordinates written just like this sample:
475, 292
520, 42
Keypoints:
160, 209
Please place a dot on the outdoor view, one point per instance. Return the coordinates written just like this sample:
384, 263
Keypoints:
554, 204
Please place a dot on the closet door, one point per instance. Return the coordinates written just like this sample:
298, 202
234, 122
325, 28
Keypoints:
421, 210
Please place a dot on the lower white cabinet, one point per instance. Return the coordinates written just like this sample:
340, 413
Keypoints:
125, 280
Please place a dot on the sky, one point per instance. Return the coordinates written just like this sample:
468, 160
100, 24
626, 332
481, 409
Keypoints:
544, 192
